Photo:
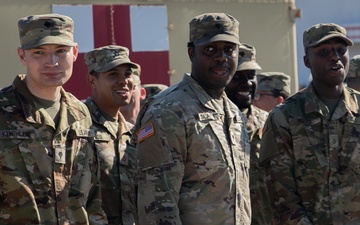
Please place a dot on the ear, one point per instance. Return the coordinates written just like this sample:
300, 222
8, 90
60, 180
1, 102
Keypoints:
191, 53
306, 61
280, 99
75, 52
91, 80
142, 93
21, 54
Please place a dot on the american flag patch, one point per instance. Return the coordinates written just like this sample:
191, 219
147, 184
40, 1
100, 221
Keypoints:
145, 132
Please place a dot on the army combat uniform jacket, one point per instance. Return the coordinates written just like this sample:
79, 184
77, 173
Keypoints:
193, 158
48, 174
260, 203
314, 159
117, 165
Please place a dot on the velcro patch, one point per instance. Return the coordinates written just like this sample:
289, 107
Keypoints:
145, 132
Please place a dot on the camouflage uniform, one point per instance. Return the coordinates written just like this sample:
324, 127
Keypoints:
49, 174
256, 117
190, 171
259, 200
117, 159
314, 159
312, 156
118, 167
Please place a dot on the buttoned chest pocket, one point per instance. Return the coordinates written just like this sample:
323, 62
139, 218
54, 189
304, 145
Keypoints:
80, 160
206, 153
106, 150
351, 152
310, 147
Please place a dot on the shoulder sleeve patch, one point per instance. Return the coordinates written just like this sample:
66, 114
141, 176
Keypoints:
145, 132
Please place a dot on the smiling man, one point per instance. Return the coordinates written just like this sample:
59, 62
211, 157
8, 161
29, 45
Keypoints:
241, 91
193, 149
310, 146
111, 78
48, 164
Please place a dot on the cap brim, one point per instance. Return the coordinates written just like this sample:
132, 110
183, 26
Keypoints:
250, 65
115, 63
49, 40
327, 37
219, 37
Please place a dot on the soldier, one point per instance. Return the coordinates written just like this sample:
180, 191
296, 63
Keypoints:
111, 78
131, 110
353, 76
241, 91
193, 149
273, 88
49, 166
310, 145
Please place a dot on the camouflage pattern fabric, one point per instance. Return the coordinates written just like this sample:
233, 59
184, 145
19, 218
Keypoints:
270, 81
260, 203
44, 29
117, 165
49, 174
210, 27
313, 158
247, 58
193, 159
354, 69
153, 89
321, 32
104, 58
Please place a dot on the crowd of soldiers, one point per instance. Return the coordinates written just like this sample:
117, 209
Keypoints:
226, 145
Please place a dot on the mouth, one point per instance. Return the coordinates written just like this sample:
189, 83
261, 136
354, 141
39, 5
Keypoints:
336, 68
220, 72
244, 93
52, 74
122, 92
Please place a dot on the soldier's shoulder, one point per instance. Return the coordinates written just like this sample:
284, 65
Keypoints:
8, 96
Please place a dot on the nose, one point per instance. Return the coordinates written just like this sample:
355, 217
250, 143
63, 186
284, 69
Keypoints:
52, 60
335, 55
221, 56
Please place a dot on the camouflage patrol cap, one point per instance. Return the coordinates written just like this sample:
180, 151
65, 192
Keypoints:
321, 32
44, 29
107, 57
137, 72
247, 60
211, 27
153, 89
354, 70
269, 81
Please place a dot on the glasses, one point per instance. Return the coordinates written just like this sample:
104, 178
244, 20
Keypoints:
257, 96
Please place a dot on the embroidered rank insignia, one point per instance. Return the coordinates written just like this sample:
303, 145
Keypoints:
145, 132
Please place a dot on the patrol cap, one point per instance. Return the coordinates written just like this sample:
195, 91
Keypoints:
211, 27
269, 81
354, 70
44, 29
137, 72
153, 89
247, 60
321, 32
107, 57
